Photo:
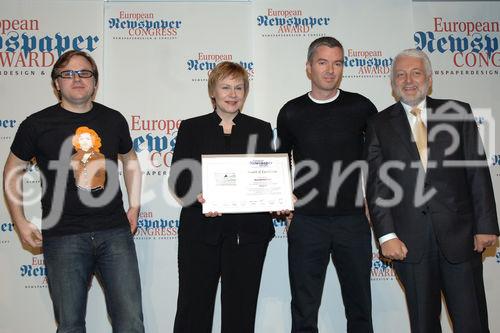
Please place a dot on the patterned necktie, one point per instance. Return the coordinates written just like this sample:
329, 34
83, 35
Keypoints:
420, 133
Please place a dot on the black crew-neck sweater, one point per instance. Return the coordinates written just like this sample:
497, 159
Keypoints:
323, 135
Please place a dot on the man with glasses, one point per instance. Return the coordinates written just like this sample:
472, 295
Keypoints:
85, 229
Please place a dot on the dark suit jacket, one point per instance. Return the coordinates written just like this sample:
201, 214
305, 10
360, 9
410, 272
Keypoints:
463, 204
203, 135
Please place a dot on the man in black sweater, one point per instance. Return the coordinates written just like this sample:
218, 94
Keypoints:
324, 131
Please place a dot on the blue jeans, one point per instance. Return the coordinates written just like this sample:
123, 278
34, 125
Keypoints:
72, 260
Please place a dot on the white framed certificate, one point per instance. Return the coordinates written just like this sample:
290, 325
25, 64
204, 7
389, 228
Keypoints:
241, 183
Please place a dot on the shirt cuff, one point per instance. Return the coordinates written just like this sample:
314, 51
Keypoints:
387, 237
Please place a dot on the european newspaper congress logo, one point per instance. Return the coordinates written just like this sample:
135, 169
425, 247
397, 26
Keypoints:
203, 63
366, 64
34, 273
143, 25
154, 142
154, 228
468, 47
291, 23
26, 50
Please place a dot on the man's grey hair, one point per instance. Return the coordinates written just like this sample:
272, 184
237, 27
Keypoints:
416, 54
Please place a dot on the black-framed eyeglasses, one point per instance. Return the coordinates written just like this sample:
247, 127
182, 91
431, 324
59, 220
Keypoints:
82, 73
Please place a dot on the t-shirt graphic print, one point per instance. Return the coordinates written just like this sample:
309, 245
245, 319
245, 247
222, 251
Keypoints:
88, 164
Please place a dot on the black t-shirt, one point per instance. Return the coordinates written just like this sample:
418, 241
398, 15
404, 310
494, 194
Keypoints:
324, 135
77, 156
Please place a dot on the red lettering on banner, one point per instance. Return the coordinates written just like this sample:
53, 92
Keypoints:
163, 32
495, 59
18, 24
136, 16
469, 27
34, 59
143, 215
36, 261
161, 159
294, 29
472, 59
167, 125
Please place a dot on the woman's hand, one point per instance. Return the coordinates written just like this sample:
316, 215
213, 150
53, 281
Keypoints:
201, 200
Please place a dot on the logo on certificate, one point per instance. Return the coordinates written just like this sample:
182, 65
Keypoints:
225, 178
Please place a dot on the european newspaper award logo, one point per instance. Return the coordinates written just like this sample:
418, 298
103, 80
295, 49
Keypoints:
25, 50
287, 22
382, 268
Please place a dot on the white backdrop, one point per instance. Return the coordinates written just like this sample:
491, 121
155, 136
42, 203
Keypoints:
158, 77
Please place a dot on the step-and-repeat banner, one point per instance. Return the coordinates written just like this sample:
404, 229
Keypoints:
155, 57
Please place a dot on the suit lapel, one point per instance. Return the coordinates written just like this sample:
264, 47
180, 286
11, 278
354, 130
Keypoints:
433, 147
399, 123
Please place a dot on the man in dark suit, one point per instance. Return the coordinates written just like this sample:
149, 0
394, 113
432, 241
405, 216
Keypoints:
431, 199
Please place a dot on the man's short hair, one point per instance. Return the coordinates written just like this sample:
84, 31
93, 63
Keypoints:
326, 41
416, 54
63, 61
223, 70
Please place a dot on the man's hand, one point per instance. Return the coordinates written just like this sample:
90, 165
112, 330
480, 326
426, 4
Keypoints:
132, 176
13, 190
29, 233
132, 216
482, 241
394, 249
287, 214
